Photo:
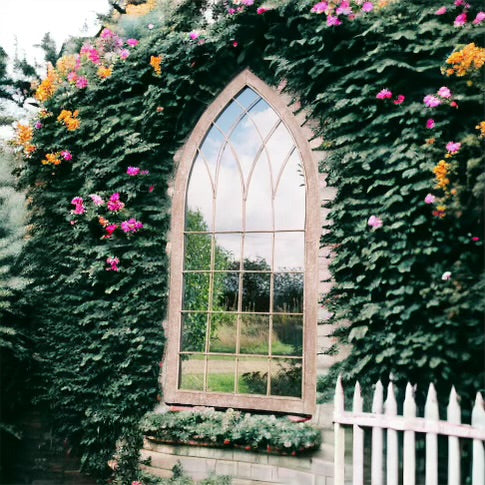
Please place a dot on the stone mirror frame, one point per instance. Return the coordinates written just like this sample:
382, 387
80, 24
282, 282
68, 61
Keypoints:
242, 322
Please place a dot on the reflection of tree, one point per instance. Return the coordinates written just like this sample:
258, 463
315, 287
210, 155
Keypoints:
288, 296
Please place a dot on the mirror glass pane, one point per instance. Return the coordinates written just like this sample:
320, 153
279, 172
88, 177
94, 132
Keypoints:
287, 336
290, 196
229, 117
210, 149
199, 199
226, 292
259, 203
256, 290
194, 328
229, 194
196, 291
286, 377
223, 333
279, 147
253, 375
246, 97
220, 373
264, 117
198, 251
254, 334
289, 251
288, 293
192, 372
228, 251
258, 249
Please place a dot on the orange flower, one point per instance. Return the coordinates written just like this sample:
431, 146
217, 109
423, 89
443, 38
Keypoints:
481, 128
156, 62
469, 59
441, 172
48, 86
70, 119
104, 72
66, 64
24, 136
51, 159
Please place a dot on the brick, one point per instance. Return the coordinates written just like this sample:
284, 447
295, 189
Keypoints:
224, 467
294, 477
262, 472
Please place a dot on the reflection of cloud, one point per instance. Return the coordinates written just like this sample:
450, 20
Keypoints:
289, 203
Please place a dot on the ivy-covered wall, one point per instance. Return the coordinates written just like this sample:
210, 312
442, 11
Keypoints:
98, 162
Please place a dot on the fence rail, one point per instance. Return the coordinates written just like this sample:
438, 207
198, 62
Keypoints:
385, 422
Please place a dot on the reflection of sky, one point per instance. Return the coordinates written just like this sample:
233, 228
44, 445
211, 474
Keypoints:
259, 180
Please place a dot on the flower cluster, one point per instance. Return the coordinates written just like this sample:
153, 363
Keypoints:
443, 95
55, 158
465, 61
23, 137
114, 203
337, 9
70, 119
79, 207
134, 171
156, 63
112, 264
441, 172
387, 94
48, 86
462, 19
131, 225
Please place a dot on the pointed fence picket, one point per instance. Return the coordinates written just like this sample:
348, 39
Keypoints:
384, 418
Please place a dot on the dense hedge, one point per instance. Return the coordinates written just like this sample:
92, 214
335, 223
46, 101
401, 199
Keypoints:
99, 332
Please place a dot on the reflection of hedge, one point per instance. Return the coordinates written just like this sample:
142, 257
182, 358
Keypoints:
232, 429
98, 334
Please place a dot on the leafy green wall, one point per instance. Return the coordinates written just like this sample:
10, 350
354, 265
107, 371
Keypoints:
98, 333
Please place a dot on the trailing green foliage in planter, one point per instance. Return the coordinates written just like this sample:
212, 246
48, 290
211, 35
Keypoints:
99, 291
232, 429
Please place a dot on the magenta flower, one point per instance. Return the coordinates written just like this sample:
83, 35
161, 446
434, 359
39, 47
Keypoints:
38, 125
400, 99
460, 21
79, 207
107, 34
114, 203
475, 239
454, 104
248, 3
235, 43
124, 54
453, 147
82, 82
441, 11
131, 225
367, 7
144, 172
431, 101
133, 171
113, 264
479, 18
110, 229
97, 200
430, 199
194, 35
231, 11
132, 42
151, 188
384, 94
66, 155
374, 222
333, 21
444, 92
93, 55
430, 124
459, 3
262, 10
344, 8
320, 7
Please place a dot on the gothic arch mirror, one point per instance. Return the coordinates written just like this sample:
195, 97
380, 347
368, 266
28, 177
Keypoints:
243, 296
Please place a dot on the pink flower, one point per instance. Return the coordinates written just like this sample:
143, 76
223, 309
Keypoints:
320, 7
144, 172
248, 3
441, 11
38, 125
479, 18
93, 55
333, 21
82, 82
150, 26
66, 155
231, 11
374, 222
384, 94
132, 42
114, 203
107, 34
367, 7
235, 44
453, 147
131, 225
72, 77
124, 54
454, 104
475, 239
194, 35
261, 10
460, 21
113, 266
430, 124
97, 200
431, 101
400, 99
79, 207
111, 229
136, 483
444, 92
446, 276
459, 3
132, 171
430, 199
151, 188
344, 8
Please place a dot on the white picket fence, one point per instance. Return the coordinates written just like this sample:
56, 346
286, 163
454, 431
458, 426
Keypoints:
385, 422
